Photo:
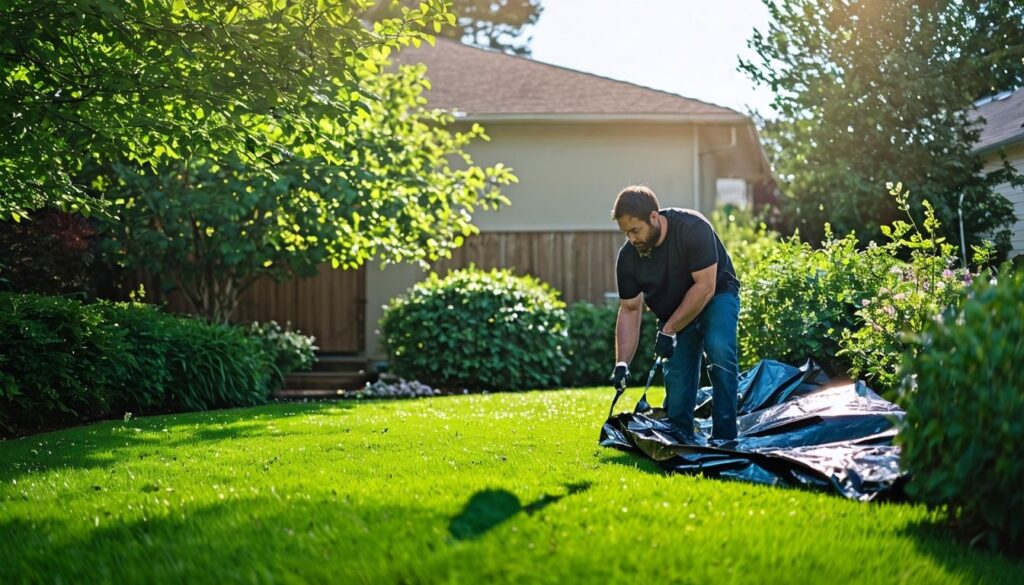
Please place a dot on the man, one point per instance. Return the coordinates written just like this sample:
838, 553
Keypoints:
676, 260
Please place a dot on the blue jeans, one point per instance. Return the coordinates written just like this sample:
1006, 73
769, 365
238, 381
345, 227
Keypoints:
713, 332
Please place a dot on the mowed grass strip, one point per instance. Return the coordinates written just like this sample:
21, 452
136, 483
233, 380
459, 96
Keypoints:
479, 488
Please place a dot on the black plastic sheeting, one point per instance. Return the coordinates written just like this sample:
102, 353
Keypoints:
795, 429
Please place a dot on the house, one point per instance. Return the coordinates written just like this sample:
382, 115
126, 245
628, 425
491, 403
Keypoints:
574, 140
1004, 133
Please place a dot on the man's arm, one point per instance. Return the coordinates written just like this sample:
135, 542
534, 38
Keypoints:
627, 328
704, 284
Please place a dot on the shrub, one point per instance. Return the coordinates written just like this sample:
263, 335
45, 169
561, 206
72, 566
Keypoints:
184, 363
846, 306
592, 345
797, 300
476, 329
59, 361
906, 296
964, 427
62, 361
746, 239
290, 351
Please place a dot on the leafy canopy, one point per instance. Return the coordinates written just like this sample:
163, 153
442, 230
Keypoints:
395, 184
158, 80
492, 24
871, 90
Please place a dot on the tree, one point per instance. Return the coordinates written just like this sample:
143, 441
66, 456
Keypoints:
385, 185
870, 92
159, 80
491, 24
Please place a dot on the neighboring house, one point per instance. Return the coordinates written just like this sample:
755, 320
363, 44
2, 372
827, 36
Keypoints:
1004, 133
574, 140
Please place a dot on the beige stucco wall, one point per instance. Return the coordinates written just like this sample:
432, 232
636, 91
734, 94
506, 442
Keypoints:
569, 173
1015, 195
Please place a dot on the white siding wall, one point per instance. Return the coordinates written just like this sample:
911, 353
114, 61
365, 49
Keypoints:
1015, 195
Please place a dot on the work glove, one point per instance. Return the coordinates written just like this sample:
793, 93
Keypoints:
665, 346
620, 377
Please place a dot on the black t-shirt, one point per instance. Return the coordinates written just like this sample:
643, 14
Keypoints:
690, 245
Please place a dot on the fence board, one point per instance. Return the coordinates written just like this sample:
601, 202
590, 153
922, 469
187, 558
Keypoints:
579, 264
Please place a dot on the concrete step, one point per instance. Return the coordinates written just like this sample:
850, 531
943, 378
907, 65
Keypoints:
340, 363
292, 394
325, 380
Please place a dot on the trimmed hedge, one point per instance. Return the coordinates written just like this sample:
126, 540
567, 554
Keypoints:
478, 330
63, 362
963, 434
592, 345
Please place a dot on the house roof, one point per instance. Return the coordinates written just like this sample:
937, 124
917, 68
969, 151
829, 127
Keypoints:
1004, 121
491, 85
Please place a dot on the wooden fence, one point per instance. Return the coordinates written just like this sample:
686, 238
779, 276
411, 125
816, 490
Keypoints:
330, 306
579, 264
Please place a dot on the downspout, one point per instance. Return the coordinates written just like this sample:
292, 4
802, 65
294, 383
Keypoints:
696, 168
696, 161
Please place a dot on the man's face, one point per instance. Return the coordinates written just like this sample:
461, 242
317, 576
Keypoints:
643, 234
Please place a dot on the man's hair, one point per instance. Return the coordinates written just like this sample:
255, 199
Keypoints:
637, 201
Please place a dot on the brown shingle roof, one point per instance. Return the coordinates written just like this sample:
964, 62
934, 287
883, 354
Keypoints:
1004, 121
482, 82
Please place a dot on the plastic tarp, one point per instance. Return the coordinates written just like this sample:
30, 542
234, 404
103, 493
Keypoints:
795, 428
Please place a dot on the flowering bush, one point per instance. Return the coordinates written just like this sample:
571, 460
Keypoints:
847, 307
910, 294
394, 387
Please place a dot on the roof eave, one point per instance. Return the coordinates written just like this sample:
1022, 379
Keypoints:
1000, 144
724, 118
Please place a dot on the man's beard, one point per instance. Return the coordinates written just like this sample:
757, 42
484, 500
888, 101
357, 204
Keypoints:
646, 247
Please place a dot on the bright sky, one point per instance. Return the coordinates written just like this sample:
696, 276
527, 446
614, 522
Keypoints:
687, 47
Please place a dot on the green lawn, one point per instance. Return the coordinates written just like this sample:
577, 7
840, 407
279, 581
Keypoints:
469, 489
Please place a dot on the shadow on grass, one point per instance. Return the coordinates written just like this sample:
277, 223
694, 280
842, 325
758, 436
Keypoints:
638, 462
487, 509
937, 540
104, 444
326, 539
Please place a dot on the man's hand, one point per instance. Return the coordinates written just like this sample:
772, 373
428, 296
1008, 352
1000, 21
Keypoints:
665, 346
620, 377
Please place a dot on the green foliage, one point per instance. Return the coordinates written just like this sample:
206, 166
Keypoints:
394, 184
904, 297
154, 82
55, 362
480, 330
50, 253
964, 429
747, 239
592, 345
797, 300
290, 351
62, 361
491, 24
846, 306
871, 90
